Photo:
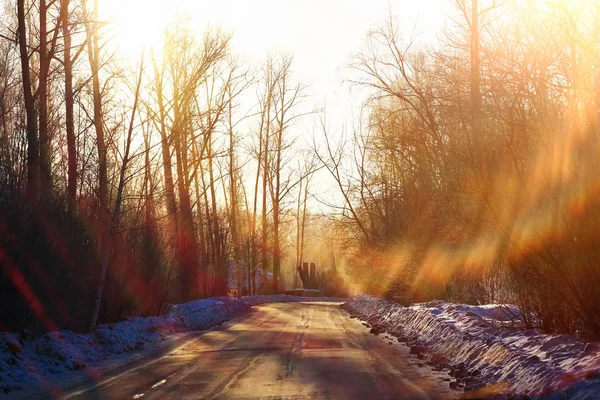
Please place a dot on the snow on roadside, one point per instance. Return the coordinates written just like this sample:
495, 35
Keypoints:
205, 313
43, 359
484, 357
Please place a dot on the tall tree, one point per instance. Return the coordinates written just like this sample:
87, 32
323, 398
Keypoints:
92, 26
475, 70
47, 49
32, 129
266, 120
69, 101
169, 186
288, 97
186, 66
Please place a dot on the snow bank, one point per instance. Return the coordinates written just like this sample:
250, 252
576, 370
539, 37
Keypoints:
232, 277
54, 353
202, 314
483, 357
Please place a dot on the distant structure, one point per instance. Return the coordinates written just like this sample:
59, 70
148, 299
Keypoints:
308, 277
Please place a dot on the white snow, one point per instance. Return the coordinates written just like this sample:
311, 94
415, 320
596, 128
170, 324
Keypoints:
50, 358
202, 314
232, 278
39, 361
484, 356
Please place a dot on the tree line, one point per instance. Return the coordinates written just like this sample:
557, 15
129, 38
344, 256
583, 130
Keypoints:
469, 174
473, 174
125, 188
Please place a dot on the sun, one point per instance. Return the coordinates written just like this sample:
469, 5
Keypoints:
135, 24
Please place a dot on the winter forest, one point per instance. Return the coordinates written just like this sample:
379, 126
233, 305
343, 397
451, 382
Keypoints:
467, 171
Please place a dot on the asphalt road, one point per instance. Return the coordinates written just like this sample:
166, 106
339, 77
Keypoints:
283, 350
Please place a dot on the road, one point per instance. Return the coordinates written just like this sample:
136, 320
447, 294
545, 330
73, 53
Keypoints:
282, 350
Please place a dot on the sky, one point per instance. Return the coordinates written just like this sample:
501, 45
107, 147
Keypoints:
320, 34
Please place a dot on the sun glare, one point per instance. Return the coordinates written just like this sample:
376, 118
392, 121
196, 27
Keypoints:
136, 24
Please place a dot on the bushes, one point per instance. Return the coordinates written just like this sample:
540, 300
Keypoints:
50, 265
48, 260
142, 278
332, 284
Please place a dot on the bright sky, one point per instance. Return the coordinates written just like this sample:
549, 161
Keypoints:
320, 34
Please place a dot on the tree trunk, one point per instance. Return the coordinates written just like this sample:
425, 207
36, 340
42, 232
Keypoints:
276, 192
475, 71
201, 234
94, 60
253, 249
233, 197
166, 149
264, 259
303, 223
188, 254
276, 248
69, 119
32, 134
298, 229
219, 261
276, 211
45, 59
209, 228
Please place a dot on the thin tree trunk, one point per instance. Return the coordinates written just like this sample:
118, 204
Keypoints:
475, 70
209, 228
32, 129
233, 196
276, 212
69, 119
94, 60
43, 97
219, 264
276, 209
298, 228
303, 226
201, 235
264, 259
148, 182
166, 150
254, 250
186, 238
282, 82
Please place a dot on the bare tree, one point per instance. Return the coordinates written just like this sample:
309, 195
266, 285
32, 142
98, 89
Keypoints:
32, 127
92, 26
69, 105
114, 221
47, 51
288, 96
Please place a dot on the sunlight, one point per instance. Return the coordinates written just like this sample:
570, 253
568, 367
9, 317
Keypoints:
137, 24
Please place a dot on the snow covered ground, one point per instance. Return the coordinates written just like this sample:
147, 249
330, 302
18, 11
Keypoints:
53, 356
46, 358
485, 357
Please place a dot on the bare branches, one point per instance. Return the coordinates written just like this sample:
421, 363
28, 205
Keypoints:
332, 161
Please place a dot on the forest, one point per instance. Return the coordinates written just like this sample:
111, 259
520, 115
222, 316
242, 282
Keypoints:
468, 174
